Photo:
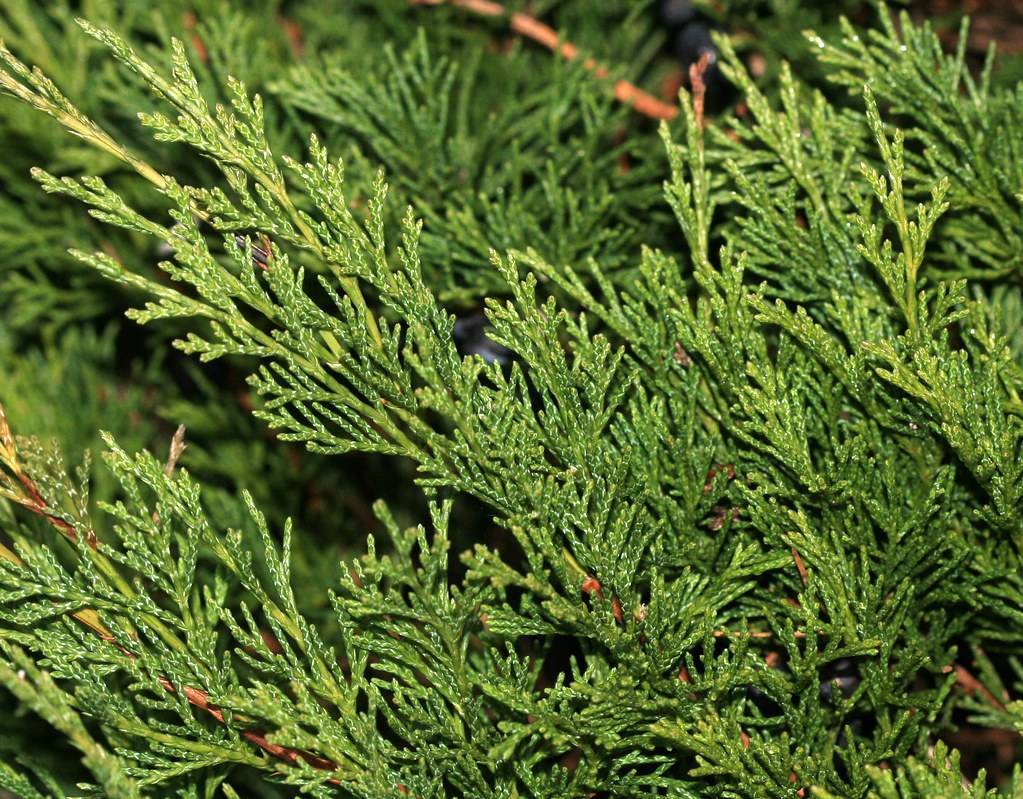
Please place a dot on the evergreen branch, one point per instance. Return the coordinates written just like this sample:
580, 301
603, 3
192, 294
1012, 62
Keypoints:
37, 691
743, 501
88, 617
23, 489
34, 88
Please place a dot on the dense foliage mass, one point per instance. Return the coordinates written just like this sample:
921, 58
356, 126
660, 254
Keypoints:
699, 442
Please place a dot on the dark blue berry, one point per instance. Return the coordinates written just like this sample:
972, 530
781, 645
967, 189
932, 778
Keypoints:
842, 675
691, 42
471, 339
688, 45
676, 12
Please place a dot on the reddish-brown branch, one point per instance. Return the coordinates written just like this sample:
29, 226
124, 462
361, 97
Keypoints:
800, 567
295, 37
90, 619
177, 448
698, 87
972, 685
531, 28
30, 487
200, 699
191, 22
35, 503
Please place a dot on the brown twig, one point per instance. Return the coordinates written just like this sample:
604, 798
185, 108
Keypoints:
697, 85
191, 22
531, 28
177, 447
90, 618
972, 685
800, 567
200, 699
30, 497
295, 37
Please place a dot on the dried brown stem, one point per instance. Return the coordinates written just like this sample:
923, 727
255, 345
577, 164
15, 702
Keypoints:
800, 567
90, 618
35, 503
200, 699
972, 685
697, 85
191, 22
177, 447
531, 28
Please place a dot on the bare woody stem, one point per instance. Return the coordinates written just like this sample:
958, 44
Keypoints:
89, 618
531, 28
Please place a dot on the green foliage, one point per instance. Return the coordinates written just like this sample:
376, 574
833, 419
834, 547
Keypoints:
750, 486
